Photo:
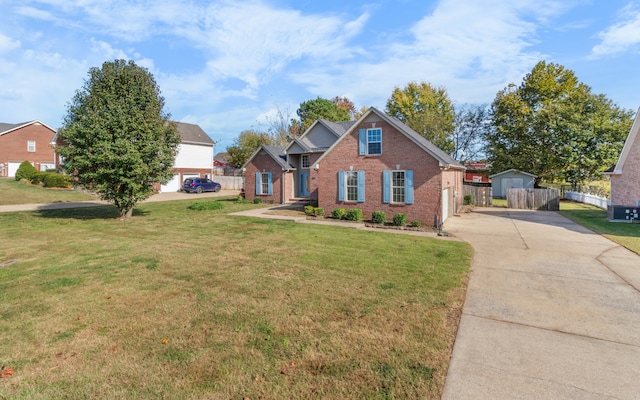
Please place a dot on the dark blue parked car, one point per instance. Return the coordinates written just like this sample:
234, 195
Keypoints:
199, 185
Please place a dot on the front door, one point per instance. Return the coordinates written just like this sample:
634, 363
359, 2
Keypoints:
304, 184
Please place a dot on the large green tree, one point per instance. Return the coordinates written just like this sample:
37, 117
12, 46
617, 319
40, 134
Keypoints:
552, 125
336, 110
245, 145
119, 142
427, 110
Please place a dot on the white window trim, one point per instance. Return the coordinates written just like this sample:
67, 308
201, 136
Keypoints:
403, 187
29, 143
368, 142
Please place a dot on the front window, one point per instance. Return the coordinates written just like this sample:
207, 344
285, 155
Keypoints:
265, 182
305, 161
352, 185
398, 187
31, 146
374, 141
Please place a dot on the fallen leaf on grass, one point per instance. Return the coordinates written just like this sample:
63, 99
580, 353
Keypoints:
114, 348
165, 341
6, 372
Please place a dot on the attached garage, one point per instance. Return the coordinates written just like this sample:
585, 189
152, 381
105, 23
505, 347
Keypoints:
172, 186
13, 168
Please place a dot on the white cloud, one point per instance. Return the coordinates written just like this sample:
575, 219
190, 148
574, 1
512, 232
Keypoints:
472, 48
7, 44
622, 36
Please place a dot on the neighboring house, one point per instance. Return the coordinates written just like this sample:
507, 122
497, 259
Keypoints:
476, 172
194, 158
221, 160
375, 164
27, 141
625, 178
510, 179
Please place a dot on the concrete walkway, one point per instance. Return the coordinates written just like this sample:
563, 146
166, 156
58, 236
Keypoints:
95, 203
552, 311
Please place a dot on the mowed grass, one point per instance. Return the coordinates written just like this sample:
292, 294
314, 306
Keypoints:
185, 304
594, 218
20, 192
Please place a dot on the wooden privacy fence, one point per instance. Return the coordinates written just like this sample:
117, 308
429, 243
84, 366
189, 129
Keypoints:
534, 199
481, 195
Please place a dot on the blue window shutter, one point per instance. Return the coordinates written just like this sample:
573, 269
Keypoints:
340, 185
386, 186
363, 142
408, 187
258, 184
270, 184
361, 186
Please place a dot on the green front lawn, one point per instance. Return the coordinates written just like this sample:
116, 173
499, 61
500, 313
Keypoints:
20, 192
185, 304
594, 218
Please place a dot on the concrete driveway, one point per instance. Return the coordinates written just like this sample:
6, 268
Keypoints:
552, 311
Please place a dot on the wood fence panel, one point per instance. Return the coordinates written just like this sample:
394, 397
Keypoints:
534, 199
481, 195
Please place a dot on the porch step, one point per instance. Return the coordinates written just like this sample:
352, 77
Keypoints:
297, 202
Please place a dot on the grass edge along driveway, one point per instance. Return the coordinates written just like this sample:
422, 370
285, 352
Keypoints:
187, 304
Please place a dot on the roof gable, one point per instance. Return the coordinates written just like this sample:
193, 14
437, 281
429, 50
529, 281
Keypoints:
513, 170
275, 152
7, 128
443, 158
318, 137
193, 134
633, 139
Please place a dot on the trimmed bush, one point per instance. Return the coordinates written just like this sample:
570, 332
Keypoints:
338, 213
38, 178
318, 211
25, 171
400, 219
309, 210
257, 200
415, 224
206, 205
468, 199
51, 179
378, 217
354, 214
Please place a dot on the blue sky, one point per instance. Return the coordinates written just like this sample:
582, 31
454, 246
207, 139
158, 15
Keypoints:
229, 65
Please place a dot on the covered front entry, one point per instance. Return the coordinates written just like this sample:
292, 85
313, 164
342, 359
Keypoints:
303, 184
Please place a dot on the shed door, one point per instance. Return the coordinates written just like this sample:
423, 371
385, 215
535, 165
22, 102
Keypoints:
511, 183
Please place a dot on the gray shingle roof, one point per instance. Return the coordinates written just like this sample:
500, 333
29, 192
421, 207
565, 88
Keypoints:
5, 127
277, 153
191, 133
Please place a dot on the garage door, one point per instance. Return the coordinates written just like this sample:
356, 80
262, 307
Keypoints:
13, 167
172, 186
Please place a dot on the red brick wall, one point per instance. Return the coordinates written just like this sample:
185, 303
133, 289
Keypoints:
398, 152
13, 146
262, 162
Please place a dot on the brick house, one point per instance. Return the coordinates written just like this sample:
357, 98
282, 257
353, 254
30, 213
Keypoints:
27, 141
194, 158
375, 164
625, 178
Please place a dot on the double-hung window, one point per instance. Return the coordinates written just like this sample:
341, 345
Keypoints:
370, 141
397, 186
351, 186
264, 183
31, 146
304, 161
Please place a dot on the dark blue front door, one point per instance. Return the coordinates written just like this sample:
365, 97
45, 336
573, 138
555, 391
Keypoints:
304, 184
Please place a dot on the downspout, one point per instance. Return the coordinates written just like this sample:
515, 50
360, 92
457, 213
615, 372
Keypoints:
282, 198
